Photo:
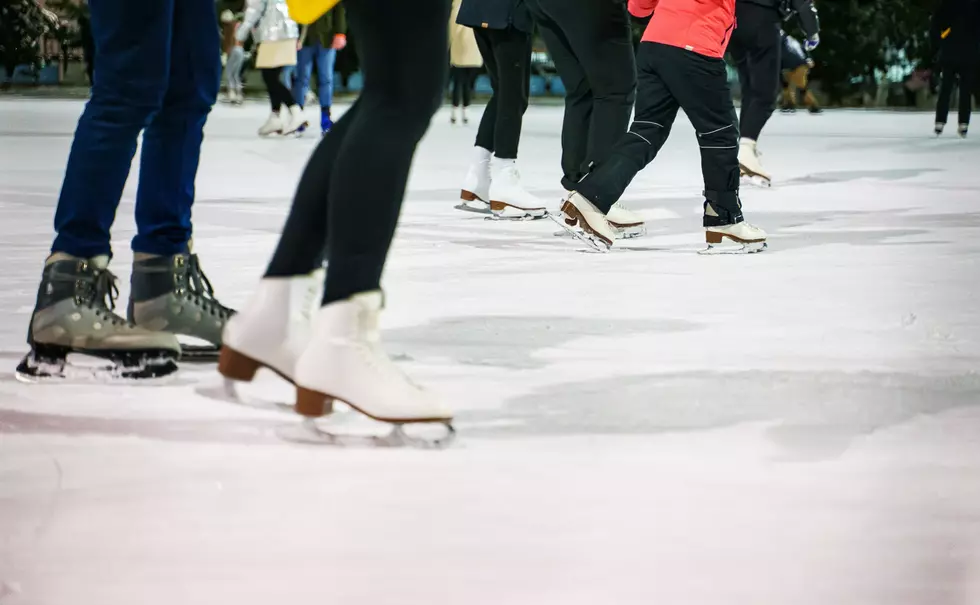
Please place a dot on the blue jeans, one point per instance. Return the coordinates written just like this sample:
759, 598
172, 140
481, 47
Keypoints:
324, 59
159, 70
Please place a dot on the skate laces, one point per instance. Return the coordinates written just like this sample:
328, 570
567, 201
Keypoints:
100, 294
201, 292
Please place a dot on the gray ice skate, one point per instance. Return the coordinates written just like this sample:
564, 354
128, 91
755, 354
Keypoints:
74, 315
172, 294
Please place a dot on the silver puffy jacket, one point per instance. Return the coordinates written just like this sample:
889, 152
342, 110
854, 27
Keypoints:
270, 20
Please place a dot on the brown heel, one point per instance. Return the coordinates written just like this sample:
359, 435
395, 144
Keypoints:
234, 365
468, 196
497, 207
312, 404
713, 237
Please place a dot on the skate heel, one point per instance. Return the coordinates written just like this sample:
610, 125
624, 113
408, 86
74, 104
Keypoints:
713, 237
469, 196
234, 365
312, 404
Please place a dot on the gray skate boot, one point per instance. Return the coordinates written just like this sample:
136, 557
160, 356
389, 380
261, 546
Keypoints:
171, 293
74, 314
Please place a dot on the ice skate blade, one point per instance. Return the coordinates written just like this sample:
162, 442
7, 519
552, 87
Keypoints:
505, 212
629, 231
465, 207
50, 363
568, 225
756, 180
312, 434
228, 392
734, 248
199, 353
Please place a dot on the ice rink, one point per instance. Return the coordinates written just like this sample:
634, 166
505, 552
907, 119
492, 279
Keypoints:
797, 427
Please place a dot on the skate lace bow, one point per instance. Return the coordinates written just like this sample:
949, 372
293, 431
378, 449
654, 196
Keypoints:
200, 290
100, 294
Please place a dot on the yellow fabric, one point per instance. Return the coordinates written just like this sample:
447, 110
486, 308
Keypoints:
946, 33
305, 12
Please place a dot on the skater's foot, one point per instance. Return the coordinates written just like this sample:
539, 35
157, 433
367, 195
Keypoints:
172, 294
627, 223
273, 125
721, 225
578, 212
452, 115
749, 162
788, 109
963, 130
815, 109
475, 192
508, 197
75, 314
295, 121
939, 128
345, 360
273, 329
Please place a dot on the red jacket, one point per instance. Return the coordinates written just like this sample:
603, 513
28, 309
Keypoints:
701, 26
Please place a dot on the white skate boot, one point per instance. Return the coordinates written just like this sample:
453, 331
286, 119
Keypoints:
508, 197
271, 331
750, 165
344, 360
939, 128
586, 223
295, 121
475, 193
273, 125
720, 225
627, 223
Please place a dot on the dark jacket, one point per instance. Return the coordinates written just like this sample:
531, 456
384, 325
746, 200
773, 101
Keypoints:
807, 12
956, 31
495, 14
323, 30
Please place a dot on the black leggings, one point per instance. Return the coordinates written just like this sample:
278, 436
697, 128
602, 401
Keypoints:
950, 73
756, 47
279, 95
349, 197
462, 79
507, 55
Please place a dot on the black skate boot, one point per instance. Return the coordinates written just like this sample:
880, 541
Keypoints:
815, 110
171, 293
74, 314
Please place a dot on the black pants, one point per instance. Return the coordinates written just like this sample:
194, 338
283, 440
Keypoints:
507, 56
590, 42
965, 73
672, 78
350, 194
279, 95
462, 80
756, 46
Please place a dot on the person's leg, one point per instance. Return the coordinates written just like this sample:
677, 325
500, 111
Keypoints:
467, 77
326, 59
456, 82
279, 95
763, 65
967, 75
602, 40
402, 48
740, 58
133, 44
701, 87
488, 123
304, 69
171, 147
656, 109
512, 53
578, 99
947, 79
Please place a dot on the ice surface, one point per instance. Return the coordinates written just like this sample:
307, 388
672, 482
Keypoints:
647, 426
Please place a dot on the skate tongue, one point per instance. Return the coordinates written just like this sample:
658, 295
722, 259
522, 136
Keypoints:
100, 262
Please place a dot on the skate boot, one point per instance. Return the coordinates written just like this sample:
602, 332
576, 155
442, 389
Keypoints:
475, 194
815, 110
719, 225
326, 123
963, 130
273, 329
939, 128
74, 314
295, 122
452, 115
627, 223
508, 197
586, 223
171, 293
466, 118
273, 125
345, 361
751, 166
